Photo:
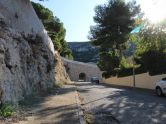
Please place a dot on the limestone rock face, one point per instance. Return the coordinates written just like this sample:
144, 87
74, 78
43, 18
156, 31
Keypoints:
26, 65
27, 61
61, 75
20, 16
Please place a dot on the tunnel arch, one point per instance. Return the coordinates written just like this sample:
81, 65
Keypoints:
82, 76
74, 69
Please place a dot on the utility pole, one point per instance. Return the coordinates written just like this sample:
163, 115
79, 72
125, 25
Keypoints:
133, 76
133, 63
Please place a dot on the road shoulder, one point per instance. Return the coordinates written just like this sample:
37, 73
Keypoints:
61, 107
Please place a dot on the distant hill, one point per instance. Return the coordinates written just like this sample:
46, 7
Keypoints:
84, 52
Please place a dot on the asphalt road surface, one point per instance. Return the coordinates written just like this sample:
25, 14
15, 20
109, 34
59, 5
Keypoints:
119, 105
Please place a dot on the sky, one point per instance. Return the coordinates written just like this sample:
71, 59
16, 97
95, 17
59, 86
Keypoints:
77, 15
155, 10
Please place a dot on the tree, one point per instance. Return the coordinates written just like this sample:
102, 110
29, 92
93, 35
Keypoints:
151, 47
55, 29
114, 22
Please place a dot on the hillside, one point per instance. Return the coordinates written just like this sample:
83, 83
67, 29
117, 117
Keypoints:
84, 52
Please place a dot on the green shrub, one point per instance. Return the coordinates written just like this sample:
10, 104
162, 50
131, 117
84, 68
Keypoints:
129, 71
124, 72
154, 61
58, 85
109, 74
6, 110
124, 63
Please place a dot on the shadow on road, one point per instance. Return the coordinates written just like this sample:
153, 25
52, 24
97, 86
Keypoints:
57, 107
128, 105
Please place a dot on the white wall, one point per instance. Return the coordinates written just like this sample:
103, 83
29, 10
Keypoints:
142, 80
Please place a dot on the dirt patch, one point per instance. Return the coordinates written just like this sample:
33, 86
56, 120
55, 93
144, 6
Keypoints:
59, 107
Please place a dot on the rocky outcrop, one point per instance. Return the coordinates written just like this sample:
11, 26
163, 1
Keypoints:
84, 52
61, 75
27, 60
26, 64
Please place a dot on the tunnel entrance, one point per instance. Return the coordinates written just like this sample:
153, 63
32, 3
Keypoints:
82, 77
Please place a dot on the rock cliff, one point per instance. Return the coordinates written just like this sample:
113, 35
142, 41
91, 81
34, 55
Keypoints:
27, 60
84, 52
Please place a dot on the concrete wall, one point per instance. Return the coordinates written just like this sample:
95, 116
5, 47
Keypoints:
75, 68
142, 80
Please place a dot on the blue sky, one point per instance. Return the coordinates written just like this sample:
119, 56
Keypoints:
77, 15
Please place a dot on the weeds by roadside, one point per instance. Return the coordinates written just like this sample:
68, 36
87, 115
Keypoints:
58, 85
10, 114
6, 110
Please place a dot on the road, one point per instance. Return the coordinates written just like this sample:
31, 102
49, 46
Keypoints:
113, 105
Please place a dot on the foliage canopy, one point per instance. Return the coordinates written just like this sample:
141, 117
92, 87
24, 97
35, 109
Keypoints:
151, 47
114, 22
55, 29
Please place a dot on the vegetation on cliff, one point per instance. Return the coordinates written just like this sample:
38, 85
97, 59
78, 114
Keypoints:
84, 52
55, 29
